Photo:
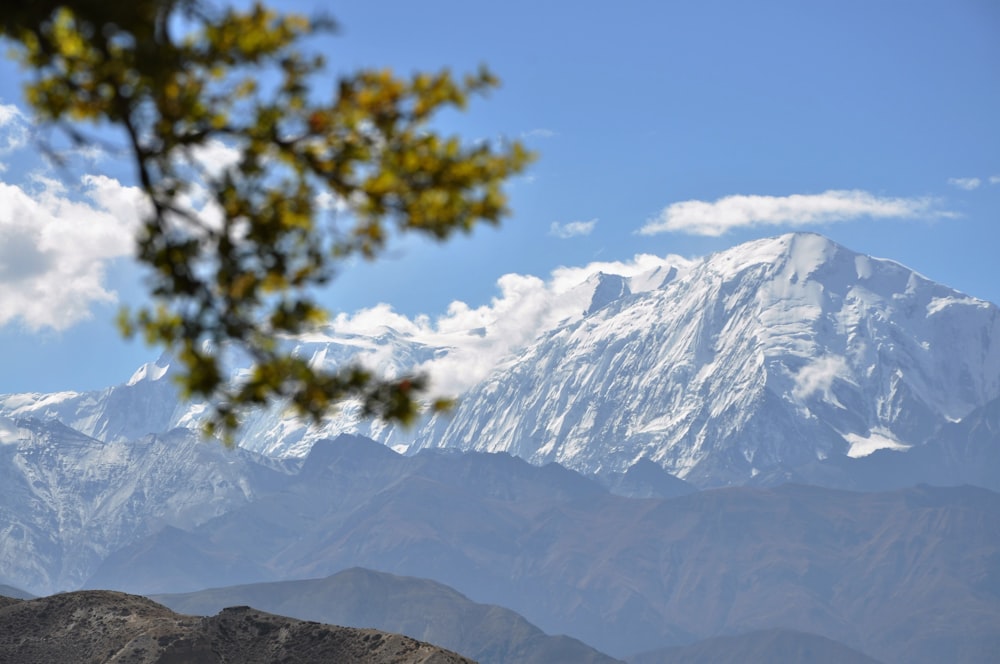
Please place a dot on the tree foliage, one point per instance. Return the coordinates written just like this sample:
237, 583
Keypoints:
237, 248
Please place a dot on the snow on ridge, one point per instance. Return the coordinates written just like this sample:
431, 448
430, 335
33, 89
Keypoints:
798, 254
29, 402
151, 371
938, 304
862, 446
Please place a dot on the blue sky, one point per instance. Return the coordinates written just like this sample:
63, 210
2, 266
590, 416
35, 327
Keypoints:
661, 127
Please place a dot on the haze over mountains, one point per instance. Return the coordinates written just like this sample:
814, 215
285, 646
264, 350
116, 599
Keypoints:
787, 359
904, 576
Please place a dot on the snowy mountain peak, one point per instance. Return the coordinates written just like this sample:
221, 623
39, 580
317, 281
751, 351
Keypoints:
796, 255
151, 371
777, 352
769, 355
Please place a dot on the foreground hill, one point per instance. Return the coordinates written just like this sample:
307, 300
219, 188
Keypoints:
100, 626
419, 608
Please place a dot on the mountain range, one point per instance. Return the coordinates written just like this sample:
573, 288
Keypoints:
900, 576
781, 436
760, 360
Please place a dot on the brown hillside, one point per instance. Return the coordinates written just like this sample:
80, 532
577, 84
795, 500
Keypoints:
103, 626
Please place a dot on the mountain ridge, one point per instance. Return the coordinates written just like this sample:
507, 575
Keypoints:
760, 359
762, 348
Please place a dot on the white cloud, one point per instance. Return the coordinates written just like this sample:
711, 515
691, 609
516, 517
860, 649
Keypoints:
214, 157
8, 113
572, 228
818, 376
477, 339
995, 179
967, 184
14, 128
55, 249
720, 216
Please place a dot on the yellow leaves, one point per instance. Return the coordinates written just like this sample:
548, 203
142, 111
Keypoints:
171, 91
240, 286
218, 121
241, 80
380, 185
246, 88
66, 35
443, 405
239, 36
274, 283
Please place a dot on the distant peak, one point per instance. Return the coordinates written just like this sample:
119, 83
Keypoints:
151, 371
799, 254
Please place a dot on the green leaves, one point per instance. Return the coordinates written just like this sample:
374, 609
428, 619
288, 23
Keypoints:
239, 270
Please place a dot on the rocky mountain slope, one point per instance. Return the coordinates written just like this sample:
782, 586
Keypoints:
419, 608
100, 626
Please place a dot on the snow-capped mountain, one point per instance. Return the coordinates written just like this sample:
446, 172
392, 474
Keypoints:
148, 403
768, 356
774, 353
456, 351
69, 500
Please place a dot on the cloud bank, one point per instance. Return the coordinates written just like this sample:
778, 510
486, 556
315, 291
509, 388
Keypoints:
725, 214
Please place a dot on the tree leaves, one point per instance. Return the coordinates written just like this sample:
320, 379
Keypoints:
239, 270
